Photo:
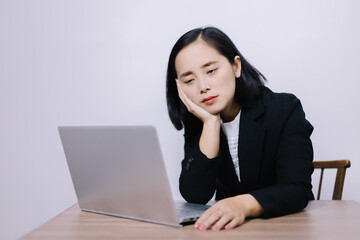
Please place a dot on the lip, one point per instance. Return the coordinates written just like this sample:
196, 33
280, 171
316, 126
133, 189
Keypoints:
209, 100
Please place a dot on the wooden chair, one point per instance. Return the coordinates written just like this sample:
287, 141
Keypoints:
341, 166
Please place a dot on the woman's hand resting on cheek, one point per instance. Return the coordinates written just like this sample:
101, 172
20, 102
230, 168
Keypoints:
210, 136
195, 109
229, 213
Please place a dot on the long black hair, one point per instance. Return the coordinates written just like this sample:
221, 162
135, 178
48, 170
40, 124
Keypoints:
247, 87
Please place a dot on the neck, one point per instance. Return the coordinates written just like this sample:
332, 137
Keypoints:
229, 114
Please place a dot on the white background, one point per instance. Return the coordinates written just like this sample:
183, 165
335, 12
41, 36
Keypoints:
104, 63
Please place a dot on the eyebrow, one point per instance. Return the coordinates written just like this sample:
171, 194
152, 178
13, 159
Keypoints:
203, 66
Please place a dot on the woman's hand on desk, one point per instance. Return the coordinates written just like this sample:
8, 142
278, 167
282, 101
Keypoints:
229, 213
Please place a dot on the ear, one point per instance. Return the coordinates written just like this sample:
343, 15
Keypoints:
237, 66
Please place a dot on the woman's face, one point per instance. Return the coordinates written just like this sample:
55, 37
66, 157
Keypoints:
208, 78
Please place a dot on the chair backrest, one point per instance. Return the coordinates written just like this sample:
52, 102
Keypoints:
341, 166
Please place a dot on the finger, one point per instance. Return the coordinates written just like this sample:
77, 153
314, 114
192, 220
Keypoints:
200, 223
203, 218
209, 222
185, 100
179, 89
221, 222
234, 223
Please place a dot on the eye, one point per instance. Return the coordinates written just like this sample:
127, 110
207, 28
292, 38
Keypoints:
212, 71
188, 81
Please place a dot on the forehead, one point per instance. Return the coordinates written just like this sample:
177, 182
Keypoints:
195, 55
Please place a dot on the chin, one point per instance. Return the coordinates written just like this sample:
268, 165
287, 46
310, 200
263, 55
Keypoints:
214, 111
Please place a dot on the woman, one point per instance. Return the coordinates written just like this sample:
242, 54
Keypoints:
249, 145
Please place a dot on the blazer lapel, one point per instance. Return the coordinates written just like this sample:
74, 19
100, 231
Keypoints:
251, 139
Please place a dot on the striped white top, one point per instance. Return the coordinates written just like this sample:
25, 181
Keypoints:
231, 130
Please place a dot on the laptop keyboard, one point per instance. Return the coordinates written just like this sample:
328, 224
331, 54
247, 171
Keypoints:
189, 210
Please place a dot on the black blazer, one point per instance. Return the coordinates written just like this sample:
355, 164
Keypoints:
275, 158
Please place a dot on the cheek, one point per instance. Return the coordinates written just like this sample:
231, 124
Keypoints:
226, 81
231, 88
227, 85
190, 93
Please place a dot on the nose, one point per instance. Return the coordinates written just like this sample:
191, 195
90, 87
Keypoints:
204, 85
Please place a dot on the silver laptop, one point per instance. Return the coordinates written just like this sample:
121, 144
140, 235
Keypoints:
119, 171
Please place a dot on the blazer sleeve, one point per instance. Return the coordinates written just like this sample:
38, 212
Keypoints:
197, 181
294, 167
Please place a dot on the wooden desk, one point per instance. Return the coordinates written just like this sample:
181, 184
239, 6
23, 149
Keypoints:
320, 220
